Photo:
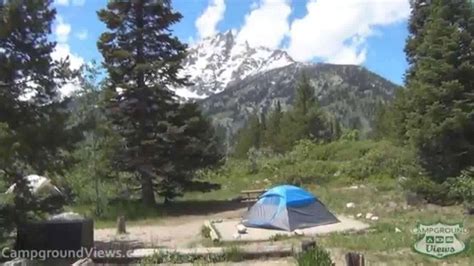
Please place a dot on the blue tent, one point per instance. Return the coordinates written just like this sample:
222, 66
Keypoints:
288, 208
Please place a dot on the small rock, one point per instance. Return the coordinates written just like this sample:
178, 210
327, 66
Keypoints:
257, 182
299, 232
84, 262
266, 180
66, 216
368, 215
402, 179
354, 187
18, 262
241, 229
359, 215
397, 230
350, 205
236, 236
392, 204
374, 218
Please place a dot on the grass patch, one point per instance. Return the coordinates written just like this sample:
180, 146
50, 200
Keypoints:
328, 171
233, 253
315, 256
279, 237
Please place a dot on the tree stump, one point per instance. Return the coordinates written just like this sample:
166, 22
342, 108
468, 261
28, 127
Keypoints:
121, 225
307, 245
355, 259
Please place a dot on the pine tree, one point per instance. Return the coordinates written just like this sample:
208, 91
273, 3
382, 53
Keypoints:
437, 106
305, 98
195, 147
92, 179
33, 135
250, 136
420, 10
273, 128
306, 120
143, 59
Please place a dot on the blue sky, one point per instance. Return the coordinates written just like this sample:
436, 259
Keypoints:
366, 32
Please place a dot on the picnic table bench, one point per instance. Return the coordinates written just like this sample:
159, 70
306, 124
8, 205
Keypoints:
251, 195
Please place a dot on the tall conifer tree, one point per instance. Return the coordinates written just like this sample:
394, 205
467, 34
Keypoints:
143, 58
32, 116
437, 107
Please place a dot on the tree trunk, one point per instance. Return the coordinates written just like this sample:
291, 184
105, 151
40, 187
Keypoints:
148, 196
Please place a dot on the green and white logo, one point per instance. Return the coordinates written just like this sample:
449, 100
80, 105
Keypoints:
439, 240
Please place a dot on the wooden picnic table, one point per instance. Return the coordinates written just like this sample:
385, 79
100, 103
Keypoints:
252, 195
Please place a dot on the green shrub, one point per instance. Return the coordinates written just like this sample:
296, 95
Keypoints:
453, 190
428, 189
316, 256
233, 253
177, 258
205, 232
462, 188
384, 159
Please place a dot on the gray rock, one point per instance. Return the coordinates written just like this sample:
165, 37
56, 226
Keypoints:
66, 216
392, 204
413, 199
19, 262
84, 262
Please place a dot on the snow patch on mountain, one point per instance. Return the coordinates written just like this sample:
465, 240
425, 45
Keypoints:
215, 62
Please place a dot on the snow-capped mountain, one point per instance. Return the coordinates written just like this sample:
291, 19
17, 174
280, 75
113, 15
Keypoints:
232, 80
218, 61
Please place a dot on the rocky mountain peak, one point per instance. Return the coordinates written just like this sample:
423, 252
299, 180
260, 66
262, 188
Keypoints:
217, 61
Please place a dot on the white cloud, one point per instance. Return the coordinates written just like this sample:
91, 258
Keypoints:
63, 51
62, 2
62, 30
266, 24
336, 30
78, 2
82, 34
206, 24
67, 2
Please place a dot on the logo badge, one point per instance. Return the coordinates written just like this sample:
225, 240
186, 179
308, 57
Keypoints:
439, 240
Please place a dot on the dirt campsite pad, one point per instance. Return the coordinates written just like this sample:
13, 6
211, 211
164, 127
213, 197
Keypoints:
171, 232
227, 230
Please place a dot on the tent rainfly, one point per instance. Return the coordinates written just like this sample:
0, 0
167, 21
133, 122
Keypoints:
288, 208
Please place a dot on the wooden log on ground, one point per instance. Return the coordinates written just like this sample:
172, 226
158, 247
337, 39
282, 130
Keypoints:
247, 252
355, 259
212, 231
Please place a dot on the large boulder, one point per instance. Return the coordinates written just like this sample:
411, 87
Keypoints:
39, 186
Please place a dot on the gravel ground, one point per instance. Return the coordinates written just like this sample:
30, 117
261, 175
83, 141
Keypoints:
172, 232
227, 230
